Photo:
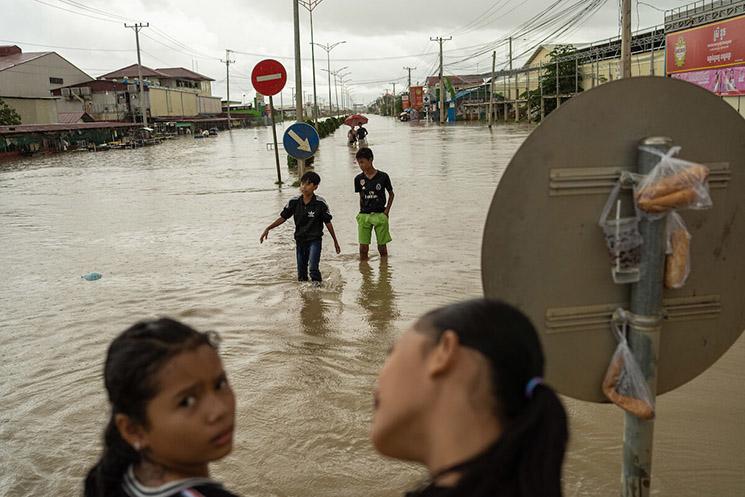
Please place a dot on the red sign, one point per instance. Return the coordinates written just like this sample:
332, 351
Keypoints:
416, 96
715, 45
269, 77
405, 101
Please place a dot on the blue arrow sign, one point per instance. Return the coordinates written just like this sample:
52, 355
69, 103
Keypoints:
301, 141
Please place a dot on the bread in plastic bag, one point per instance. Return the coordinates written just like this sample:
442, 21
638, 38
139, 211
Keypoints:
624, 383
678, 258
673, 184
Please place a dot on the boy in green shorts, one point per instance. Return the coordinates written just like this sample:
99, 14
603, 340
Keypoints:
372, 185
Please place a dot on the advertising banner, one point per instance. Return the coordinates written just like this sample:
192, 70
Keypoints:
405, 101
716, 45
729, 81
416, 97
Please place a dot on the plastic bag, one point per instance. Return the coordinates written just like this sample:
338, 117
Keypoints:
678, 258
673, 184
624, 383
623, 240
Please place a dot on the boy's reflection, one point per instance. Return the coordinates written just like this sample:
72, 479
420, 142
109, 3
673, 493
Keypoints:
377, 296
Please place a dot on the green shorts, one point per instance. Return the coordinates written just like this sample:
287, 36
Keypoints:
365, 225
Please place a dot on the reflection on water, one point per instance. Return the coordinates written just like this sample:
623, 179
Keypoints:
377, 296
174, 230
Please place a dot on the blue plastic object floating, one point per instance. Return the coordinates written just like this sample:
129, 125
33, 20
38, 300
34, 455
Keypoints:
92, 276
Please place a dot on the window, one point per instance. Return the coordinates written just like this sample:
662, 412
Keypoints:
55, 81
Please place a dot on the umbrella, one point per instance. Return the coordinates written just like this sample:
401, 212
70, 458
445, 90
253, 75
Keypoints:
355, 120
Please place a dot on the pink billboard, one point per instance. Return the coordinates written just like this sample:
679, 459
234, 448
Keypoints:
724, 82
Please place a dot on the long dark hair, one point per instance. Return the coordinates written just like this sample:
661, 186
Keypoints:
526, 461
132, 362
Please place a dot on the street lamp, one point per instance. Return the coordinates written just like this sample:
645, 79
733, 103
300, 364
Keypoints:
329, 47
309, 6
342, 82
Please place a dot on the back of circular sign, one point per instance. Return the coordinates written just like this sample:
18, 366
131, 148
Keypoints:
544, 252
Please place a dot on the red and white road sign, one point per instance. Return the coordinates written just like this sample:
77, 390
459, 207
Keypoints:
269, 77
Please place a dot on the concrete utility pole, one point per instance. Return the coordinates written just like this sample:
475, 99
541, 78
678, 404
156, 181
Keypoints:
298, 78
409, 69
310, 5
329, 47
137, 27
440, 39
393, 102
491, 87
626, 39
227, 63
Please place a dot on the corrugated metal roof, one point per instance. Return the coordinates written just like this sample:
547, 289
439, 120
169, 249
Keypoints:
182, 73
74, 117
42, 128
13, 60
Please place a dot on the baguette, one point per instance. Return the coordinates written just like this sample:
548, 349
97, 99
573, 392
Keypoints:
676, 263
685, 178
680, 198
637, 407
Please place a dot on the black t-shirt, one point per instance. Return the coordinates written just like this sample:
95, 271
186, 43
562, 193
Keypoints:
309, 218
372, 191
361, 132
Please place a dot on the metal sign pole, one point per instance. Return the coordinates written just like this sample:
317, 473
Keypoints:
274, 135
644, 334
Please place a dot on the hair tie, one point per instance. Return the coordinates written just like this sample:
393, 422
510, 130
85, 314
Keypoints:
530, 387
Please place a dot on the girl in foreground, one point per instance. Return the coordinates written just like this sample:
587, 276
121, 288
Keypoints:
172, 413
462, 393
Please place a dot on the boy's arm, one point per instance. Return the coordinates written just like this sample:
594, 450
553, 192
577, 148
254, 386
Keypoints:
330, 227
276, 223
387, 210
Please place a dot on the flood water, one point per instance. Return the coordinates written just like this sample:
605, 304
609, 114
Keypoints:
174, 229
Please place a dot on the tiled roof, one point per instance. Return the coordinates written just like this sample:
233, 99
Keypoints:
182, 73
131, 72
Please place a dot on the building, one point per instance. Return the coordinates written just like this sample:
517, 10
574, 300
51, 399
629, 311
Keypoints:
169, 92
28, 79
102, 100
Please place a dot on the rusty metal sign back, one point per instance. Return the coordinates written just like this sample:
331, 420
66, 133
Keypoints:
543, 250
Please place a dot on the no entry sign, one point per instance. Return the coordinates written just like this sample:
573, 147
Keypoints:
269, 77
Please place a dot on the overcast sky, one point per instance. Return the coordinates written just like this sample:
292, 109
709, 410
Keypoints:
382, 36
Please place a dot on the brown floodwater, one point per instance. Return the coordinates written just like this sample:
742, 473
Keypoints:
174, 229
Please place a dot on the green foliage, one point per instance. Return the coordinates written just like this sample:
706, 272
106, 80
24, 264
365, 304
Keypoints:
8, 115
568, 75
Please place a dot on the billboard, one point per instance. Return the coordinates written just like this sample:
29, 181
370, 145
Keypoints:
416, 97
729, 81
712, 46
711, 56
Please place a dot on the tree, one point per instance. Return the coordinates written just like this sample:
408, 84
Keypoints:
8, 115
569, 76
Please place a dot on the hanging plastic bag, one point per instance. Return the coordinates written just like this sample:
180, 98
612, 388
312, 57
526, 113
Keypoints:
673, 184
678, 258
624, 383
623, 240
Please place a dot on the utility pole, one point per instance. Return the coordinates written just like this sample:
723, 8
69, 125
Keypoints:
409, 69
310, 5
393, 103
440, 39
298, 78
227, 63
491, 87
328, 48
137, 27
626, 39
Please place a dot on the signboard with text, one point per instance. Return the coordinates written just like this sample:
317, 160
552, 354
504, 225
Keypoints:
416, 97
713, 46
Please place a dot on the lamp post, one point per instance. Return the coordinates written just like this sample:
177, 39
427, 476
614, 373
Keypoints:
309, 6
329, 47
342, 82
